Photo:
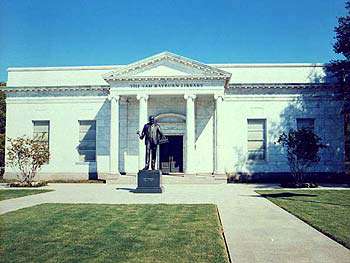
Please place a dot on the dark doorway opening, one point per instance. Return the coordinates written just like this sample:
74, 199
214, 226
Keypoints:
171, 155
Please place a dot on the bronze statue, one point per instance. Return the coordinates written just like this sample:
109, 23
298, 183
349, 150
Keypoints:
153, 136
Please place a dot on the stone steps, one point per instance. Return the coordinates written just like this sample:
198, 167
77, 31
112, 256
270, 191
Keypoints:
171, 179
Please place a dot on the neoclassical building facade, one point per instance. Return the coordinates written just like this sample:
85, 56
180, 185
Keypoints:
219, 118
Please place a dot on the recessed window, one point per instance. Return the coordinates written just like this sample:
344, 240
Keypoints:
256, 139
87, 141
306, 123
41, 131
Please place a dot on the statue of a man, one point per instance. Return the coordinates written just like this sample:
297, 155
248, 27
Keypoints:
152, 134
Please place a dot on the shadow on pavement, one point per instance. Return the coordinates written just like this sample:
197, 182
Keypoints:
131, 190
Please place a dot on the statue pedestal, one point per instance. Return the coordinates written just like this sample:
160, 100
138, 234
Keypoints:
149, 181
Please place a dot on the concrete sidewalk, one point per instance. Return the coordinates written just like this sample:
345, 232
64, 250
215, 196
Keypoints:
256, 230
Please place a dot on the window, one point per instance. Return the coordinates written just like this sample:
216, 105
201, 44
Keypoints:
87, 141
41, 130
306, 123
256, 139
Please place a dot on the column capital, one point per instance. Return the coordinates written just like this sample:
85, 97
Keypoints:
142, 97
190, 96
113, 97
219, 97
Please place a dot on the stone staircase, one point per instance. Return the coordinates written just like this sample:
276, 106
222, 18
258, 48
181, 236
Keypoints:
171, 179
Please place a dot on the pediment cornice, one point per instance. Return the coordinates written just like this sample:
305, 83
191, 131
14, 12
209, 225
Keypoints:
202, 71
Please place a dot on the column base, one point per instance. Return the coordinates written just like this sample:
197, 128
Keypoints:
220, 176
109, 176
190, 174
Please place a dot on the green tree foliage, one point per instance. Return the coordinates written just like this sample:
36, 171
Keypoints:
2, 126
341, 67
302, 148
27, 155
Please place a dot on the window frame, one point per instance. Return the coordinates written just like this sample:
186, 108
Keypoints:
48, 133
82, 157
298, 120
264, 140
48, 130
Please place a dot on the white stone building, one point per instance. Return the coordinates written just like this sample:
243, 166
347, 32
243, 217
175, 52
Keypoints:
219, 118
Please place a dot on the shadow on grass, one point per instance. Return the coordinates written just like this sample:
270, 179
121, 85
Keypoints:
266, 185
288, 195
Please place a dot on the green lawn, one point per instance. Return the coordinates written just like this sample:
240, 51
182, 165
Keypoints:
8, 194
326, 210
112, 233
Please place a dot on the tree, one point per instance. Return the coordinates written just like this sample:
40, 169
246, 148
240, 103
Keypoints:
341, 68
27, 155
2, 126
302, 148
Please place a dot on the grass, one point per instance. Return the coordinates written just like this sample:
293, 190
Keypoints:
112, 233
9, 194
326, 210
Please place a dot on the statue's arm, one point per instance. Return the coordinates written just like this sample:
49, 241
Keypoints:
160, 132
143, 133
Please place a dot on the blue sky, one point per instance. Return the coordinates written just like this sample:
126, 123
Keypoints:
78, 32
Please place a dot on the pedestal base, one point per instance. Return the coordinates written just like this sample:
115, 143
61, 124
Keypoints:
149, 181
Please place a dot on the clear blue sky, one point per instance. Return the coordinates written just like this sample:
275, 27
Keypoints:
78, 32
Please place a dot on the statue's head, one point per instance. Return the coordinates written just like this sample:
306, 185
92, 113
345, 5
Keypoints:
151, 119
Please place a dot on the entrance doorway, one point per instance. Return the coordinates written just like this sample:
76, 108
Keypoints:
171, 155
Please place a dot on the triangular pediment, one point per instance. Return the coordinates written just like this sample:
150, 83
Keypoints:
166, 65
165, 68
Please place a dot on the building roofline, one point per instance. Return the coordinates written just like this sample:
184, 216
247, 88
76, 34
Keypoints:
231, 85
53, 88
63, 68
223, 65
267, 65
279, 86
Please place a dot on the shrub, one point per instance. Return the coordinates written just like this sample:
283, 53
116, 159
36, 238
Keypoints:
27, 155
302, 148
31, 184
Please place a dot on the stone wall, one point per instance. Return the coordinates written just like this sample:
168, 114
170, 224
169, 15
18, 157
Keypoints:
279, 108
64, 114
281, 111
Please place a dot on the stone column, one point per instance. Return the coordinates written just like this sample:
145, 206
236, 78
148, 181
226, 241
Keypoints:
143, 119
190, 134
220, 154
114, 136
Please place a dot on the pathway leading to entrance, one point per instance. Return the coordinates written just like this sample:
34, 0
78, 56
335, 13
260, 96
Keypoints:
256, 230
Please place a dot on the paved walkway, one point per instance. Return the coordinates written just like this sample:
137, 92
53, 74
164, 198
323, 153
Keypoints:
256, 230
